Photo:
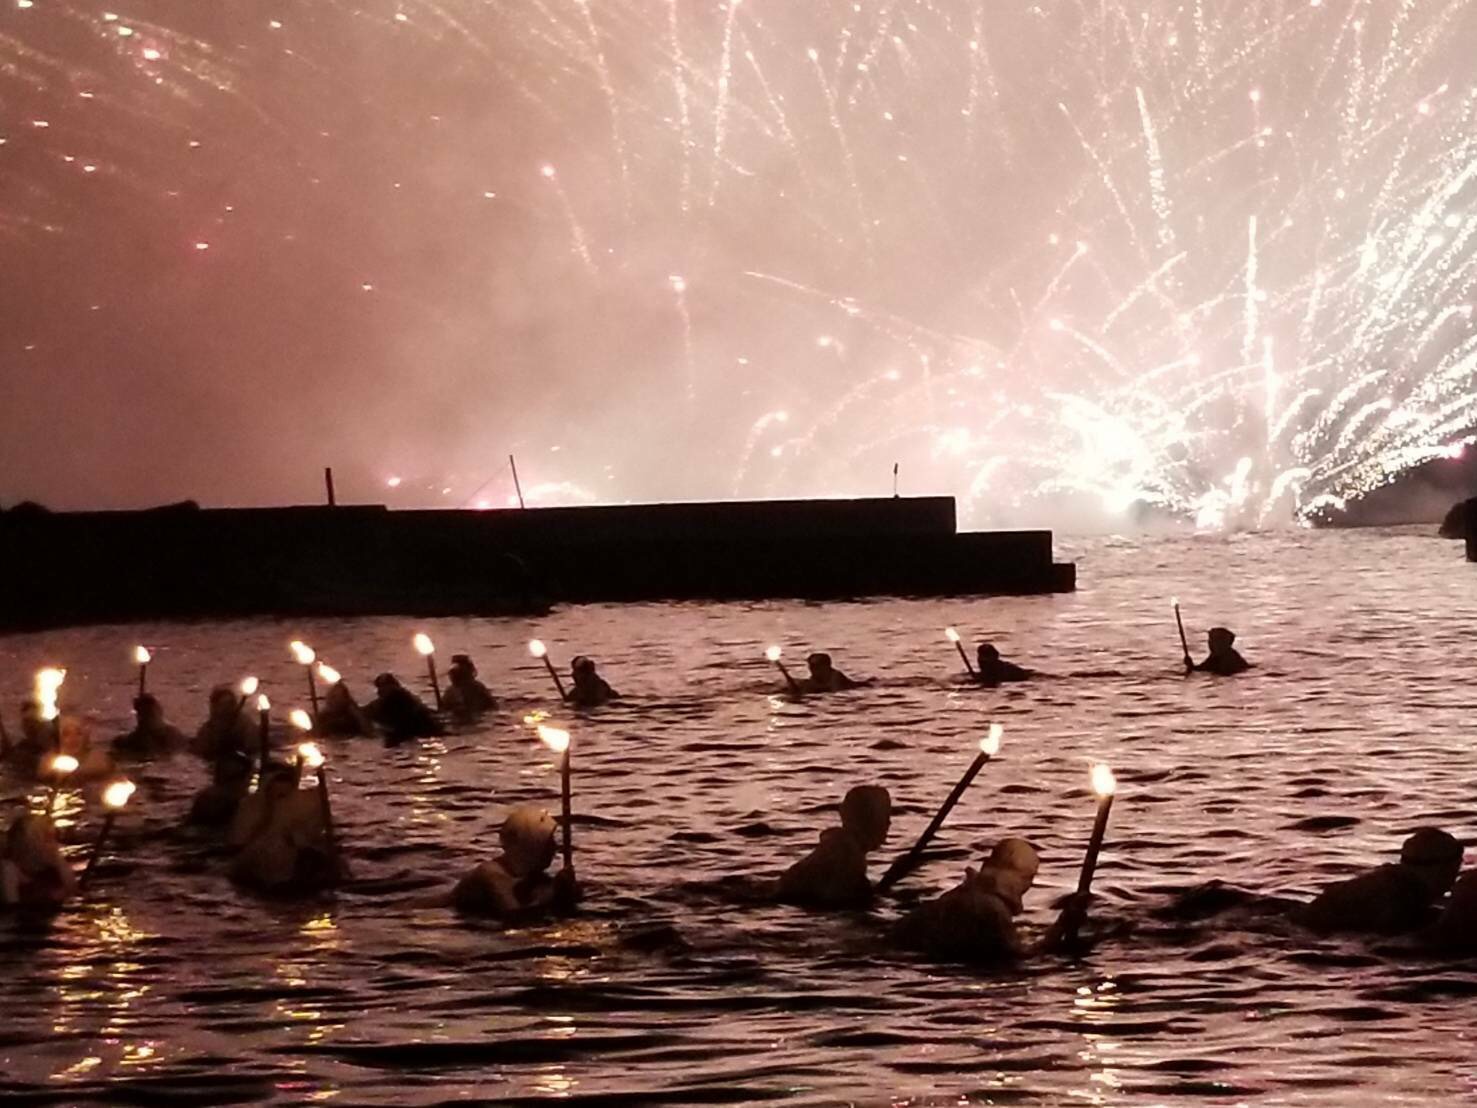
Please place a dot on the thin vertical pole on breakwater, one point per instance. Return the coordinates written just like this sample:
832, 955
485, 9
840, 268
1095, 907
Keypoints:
328, 484
513, 464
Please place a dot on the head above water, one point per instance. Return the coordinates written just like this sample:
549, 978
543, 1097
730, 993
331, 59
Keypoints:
987, 655
866, 811
461, 669
819, 663
148, 710
1435, 857
1017, 855
527, 836
582, 667
1220, 638
385, 683
224, 701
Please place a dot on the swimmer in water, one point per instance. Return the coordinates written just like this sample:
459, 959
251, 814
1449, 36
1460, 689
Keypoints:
152, 736
995, 670
834, 874
226, 729
340, 714
1399, 897
825, 677
466, 696
400, 712
1223, 660
33, 872
516, 885
589, 690
286, 845
1455, 931
975, 920
217, 803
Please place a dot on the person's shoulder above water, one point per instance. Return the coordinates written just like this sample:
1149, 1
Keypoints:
466, 695
825, 677
995, 670
589, 690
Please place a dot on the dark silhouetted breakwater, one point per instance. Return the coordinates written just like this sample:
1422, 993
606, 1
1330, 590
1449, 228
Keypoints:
184, 561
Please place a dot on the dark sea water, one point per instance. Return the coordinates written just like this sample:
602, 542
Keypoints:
1357, 726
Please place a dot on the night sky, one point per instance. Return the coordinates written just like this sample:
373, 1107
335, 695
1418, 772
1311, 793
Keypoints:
1214, 256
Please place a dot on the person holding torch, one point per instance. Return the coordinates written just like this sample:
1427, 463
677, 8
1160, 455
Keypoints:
33, 871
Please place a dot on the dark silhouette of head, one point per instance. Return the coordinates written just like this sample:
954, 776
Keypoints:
1220, 639
582, 668
148, 711
461, 671
987, 655
819, 663
1435, 857
224, 702
386, 683
866, 811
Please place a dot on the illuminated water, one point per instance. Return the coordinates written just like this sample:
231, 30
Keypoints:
1355, 728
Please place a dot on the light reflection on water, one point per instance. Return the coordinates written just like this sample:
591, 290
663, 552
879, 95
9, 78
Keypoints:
1353, 730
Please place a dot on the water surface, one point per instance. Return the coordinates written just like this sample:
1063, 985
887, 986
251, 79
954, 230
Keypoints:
1354, 729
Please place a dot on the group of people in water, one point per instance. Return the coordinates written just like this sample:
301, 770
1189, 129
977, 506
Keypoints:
282, 838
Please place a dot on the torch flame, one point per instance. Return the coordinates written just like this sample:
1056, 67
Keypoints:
329, 675
310, 754
263, 704
300, 719
537, 648
64, 764
773, 653
952, 635
302, 652
554, 738
48, 684
423, 643
1174, 602
142, 656
118, 793
990, 744
249, 686
1103, 781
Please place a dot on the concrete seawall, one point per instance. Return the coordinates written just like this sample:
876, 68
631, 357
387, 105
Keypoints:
184, 562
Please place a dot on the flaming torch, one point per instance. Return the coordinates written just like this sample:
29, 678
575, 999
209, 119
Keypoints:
305, 656
427, 649
558, 741
541, 652
1184, 642
48, 687
1105, 785
61, 767
774, 653
248, 688
115, 796
989, 747
263, 731
953, 636
309, 756
142, 657
328, 675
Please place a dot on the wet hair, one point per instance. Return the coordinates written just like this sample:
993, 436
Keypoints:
819, 660
867, 810
581, 664
527, 836
1221, 635
461, 659
222, 694
145, 702
987, 650
386, 681
1430, 846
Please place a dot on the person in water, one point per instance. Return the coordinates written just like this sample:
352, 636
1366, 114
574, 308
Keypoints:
1455, 931
995, 670
226, 729
834, 874
33, 872
400, 712
152, 736
589, 690
286, 845
37, 740
465, 695
516, 884
1224, 659
216, 804
825, 677
1394, 898
340, 714
975, 920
